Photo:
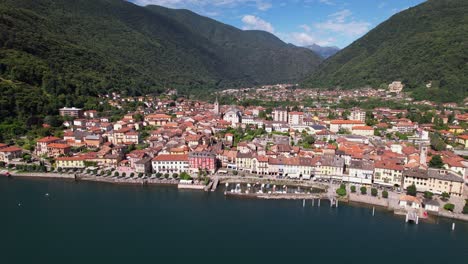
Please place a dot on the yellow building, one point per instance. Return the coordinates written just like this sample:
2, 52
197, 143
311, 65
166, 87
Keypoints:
435, 181
70, 162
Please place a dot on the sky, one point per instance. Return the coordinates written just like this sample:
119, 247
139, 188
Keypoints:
300, 22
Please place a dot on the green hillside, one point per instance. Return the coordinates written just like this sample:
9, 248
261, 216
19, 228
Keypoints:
66, 51
425, 43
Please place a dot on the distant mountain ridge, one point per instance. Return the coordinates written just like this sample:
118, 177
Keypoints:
323, 51
424, 44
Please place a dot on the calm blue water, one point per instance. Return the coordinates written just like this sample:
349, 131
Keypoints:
100, 223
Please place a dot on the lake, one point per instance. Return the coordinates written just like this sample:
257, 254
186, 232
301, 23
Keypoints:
59, 221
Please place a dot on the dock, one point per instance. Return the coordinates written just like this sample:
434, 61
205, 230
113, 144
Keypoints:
215, 184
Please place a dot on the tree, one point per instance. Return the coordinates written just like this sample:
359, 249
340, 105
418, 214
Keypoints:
363, 190
124, 174
374, 192
428, 195
185, 176
166, 175
353, 189
235, 173
342, 186
445, 196
341, 192
465, 208
175, 175
449, 207
411, 190
116, 174
384, 194
436, 162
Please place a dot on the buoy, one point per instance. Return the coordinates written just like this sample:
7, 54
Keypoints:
303, 203
47, 194
373, 210
19, 204
453, 226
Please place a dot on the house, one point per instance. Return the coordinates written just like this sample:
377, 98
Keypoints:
434, 180
41, 144
167, 163
409, 202
431, 205
70, 162
463, 140
7, 154
58, 149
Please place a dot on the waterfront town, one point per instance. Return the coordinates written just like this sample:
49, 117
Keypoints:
415, 154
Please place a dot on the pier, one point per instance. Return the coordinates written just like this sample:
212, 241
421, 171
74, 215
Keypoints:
412, 216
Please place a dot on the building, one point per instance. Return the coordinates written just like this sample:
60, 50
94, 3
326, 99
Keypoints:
357, 114
388, 173
360, 171
409, 202
70, 162
336, 125
331, 166
41, 144
435, 181
7, 154
404, 127
280, 115
362, 131
396, 87
205, 161
463, 140
216, 107
295, 118
143, 165
58, 149
157, 119
168, 163
73, 112
232, 116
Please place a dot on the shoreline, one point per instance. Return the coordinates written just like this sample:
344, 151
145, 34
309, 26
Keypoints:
350, 199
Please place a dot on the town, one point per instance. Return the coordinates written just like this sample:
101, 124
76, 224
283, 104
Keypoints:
420, 151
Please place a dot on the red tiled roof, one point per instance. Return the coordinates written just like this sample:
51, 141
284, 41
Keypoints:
168, 157
48, 139
10, 149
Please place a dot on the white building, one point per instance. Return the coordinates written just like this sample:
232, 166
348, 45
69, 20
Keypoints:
233, 116
168, 163
280, 115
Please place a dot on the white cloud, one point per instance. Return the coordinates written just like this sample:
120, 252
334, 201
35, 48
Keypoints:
342, 23
255, 23
306, 28
306, 39
327, 2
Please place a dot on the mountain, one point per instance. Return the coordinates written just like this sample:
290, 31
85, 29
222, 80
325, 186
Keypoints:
423, 44
66, 51
324, 52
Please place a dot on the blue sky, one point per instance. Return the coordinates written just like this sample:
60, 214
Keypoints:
301, 22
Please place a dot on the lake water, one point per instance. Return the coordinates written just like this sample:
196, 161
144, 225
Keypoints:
84, 222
